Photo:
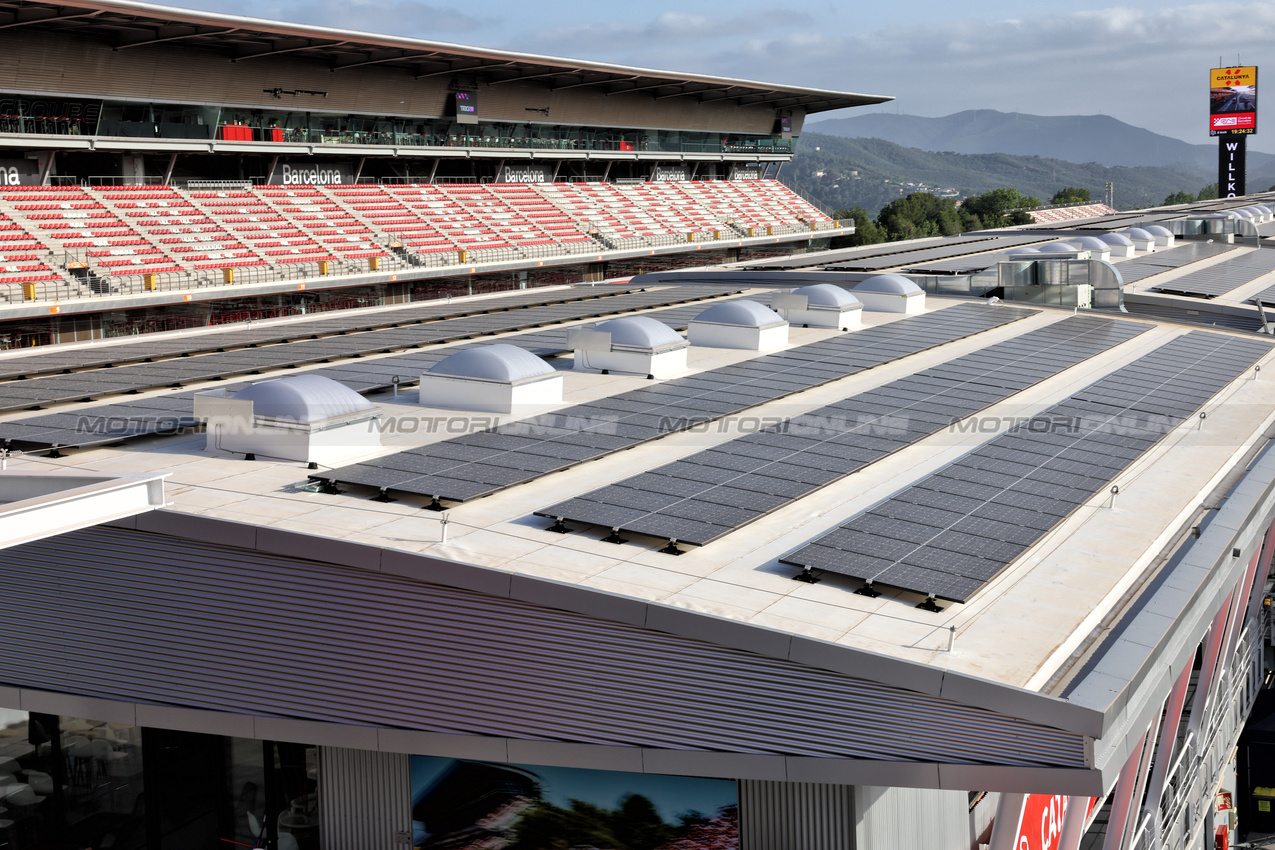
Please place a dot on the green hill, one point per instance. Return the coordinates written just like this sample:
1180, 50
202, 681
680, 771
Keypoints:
843, 173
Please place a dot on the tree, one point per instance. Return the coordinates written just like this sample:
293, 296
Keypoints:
1208, 193
1179, 198
1071, 195
994, 208
920, 214
866, 231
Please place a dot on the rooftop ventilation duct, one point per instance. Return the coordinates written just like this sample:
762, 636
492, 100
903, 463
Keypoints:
820, 305
496, 378
302, 417
890, 293
745, 325
636, 345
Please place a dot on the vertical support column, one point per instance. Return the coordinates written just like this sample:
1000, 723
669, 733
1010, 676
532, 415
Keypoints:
1122, 797
1009, 817
1207, 681
358, 169
1168, 743
48, 168
1239, 605
1263, 572
1073, 827
168, 172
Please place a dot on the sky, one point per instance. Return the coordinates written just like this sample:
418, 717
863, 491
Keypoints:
1144, 64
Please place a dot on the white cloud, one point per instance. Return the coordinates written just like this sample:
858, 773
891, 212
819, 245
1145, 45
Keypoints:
1146, 66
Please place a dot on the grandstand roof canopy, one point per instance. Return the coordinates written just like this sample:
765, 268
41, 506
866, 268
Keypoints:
129, 25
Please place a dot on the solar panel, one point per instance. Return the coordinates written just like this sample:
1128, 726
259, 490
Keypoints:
1138, 268
834, 441
681, 403
107, 354
17, 395
946, 250
993, 504
1221, 278
108, 424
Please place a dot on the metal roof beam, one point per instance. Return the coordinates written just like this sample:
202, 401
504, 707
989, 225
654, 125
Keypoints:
463, 69
558, 73
642, 88
18, 20
186, 32
401, 55
309, 45
682, 93
596, 82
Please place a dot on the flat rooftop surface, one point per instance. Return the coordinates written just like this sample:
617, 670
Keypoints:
1022, 629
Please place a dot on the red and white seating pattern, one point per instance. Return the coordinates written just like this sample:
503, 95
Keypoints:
71, 219
134, 229
1070, 213
329, 224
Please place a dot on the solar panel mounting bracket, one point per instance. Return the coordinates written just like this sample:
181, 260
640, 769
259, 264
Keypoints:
807, 575
868, 590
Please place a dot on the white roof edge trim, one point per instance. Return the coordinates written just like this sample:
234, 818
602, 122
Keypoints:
51, 504
312, 31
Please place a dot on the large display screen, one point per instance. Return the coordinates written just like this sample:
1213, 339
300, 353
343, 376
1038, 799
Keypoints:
473, 805
1233, 101
466, 107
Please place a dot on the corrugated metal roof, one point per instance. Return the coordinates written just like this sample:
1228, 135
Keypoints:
118, 614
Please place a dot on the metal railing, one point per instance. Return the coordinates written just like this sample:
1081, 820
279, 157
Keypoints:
1179, 819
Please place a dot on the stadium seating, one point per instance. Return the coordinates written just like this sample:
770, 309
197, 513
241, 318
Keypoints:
1070, 213
134, 230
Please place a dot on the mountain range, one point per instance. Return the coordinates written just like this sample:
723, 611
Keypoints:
1073, 138
869, 160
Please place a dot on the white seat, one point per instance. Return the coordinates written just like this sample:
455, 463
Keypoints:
22, 795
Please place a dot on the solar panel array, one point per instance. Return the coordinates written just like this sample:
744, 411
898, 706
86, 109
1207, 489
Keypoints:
1221, 278
1266, 296
476, 465
950, 533
85, 386
928, 254
1134, 270
113, 422
109, 354
1120, 221
702, 497
972, 241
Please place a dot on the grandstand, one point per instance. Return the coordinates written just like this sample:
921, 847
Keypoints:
1072, 213
129, 203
